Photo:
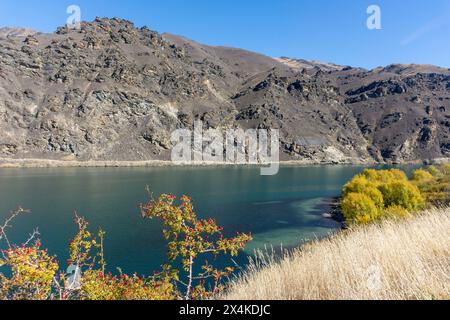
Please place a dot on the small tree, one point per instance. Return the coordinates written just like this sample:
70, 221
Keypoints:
189, 238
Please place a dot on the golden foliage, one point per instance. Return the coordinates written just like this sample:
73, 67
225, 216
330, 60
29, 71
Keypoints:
359, 208
388, 190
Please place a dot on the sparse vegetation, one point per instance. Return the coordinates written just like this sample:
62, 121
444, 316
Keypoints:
393, 259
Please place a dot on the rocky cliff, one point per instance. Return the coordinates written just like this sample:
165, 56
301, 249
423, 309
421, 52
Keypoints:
111, 91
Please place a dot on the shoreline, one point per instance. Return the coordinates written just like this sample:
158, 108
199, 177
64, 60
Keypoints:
336, 213
48, 163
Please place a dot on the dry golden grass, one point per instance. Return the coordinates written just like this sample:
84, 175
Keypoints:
398, 260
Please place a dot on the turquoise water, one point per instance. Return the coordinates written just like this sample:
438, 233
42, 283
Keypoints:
282, 210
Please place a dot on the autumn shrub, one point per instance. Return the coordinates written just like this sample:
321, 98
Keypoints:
33, 274
359, 208
99, 286
361, 185
424, 176
384, 176
403, 194
93, 283
434, 184
390, 192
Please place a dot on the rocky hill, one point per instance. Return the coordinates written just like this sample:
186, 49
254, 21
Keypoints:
7, 32
115, 92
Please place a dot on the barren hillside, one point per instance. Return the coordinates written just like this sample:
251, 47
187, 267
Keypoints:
115, 92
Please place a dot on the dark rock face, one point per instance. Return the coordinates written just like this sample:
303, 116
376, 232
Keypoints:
405, 120
114, 92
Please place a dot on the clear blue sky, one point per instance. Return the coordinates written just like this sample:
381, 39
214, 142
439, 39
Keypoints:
413, 31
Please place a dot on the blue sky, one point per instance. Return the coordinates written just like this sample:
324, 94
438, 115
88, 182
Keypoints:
413, 31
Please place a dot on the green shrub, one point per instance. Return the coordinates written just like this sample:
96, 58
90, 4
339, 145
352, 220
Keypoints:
403, 194
434, 189
434, 171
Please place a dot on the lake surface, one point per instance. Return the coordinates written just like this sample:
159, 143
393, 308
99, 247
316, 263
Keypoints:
282, 210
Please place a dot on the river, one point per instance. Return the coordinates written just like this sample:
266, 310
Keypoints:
282, 210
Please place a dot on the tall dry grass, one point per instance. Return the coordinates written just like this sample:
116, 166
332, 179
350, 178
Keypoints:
399, 260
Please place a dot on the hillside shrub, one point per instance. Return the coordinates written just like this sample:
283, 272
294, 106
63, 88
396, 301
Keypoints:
361, 185
359, 208
384, 176
435, 189
390, 192
403, 194
434, 171
424, 176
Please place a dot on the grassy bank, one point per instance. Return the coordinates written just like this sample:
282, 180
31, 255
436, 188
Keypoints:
406, 259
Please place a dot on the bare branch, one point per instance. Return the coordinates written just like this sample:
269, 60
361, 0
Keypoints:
33, 236
7, 224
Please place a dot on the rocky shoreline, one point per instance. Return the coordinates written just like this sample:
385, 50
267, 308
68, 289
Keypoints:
46, 163
336, 211
50, 163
